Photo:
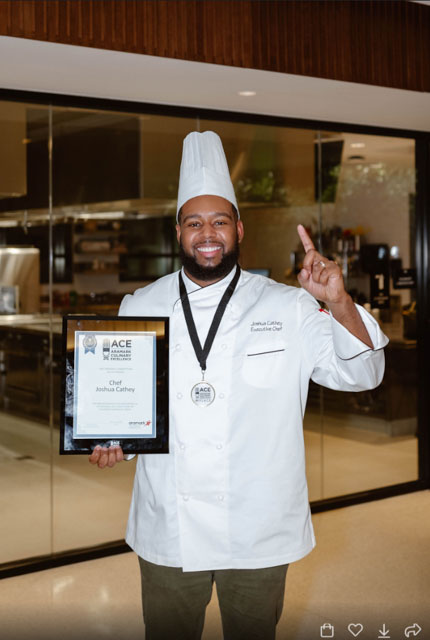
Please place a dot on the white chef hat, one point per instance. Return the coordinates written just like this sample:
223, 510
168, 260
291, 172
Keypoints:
204, 169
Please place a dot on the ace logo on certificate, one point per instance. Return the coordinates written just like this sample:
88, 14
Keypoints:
115, 384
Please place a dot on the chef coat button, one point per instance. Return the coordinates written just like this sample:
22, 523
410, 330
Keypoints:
182, 446
178, 347
221, 396
185, 497
219, 446
223, 346
220, 497
179, 395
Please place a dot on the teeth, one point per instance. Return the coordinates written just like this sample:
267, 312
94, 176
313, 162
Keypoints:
208, 249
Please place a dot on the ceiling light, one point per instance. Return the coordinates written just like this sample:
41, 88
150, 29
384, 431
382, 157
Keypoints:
100, 215
8, 223
357, 145
247, 93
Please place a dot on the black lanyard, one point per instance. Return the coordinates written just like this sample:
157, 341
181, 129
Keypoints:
202, 354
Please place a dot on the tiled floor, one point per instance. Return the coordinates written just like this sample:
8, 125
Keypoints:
371, 566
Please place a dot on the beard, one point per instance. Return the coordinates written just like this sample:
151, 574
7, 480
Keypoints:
219, 271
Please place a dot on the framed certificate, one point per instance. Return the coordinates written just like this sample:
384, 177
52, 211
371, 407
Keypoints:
115, 384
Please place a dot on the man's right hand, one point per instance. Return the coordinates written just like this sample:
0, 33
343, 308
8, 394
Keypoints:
104, 457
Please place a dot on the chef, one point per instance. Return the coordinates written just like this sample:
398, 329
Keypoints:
229, 503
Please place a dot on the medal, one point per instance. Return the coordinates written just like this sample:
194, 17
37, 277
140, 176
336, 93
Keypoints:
203, 393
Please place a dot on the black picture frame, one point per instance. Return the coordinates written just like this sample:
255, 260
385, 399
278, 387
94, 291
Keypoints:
72, 323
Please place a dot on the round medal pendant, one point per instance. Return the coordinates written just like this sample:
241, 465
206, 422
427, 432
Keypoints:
203, 394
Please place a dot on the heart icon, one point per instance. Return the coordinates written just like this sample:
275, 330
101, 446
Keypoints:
355, 629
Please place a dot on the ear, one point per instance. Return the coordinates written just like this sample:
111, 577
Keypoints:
178, 232
240, 230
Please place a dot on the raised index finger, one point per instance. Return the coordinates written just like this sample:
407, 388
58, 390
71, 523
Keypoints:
305, 238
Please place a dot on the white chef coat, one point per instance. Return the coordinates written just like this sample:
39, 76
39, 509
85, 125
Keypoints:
232, 492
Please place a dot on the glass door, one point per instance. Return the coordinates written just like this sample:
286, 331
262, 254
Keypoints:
25, 436
369, 439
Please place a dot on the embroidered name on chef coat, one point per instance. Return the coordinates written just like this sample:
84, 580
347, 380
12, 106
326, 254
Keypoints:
266, 325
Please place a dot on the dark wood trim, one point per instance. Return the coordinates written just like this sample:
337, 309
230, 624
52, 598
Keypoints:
377, 42
422, 163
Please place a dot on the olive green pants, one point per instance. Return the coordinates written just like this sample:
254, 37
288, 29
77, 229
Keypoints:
174, 601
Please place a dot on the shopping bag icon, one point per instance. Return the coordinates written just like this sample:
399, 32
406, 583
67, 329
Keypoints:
327, 630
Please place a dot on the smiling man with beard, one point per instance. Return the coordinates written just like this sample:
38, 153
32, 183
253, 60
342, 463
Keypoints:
229, 503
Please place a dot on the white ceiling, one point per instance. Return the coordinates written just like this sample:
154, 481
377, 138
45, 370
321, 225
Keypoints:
64, 69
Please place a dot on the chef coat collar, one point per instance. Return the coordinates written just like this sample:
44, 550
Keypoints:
192, 286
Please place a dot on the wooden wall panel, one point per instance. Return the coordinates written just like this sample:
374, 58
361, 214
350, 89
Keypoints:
380, 42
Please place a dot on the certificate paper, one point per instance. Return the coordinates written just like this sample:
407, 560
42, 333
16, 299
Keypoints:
115, 384
115, 379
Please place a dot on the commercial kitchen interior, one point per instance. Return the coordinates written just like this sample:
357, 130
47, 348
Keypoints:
98, 214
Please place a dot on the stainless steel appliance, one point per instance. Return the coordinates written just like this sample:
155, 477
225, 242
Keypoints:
20, 268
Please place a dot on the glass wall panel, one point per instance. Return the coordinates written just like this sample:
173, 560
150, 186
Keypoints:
368, 194
25, 454
115, 180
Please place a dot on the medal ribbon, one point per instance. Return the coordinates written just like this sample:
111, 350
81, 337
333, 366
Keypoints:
202, 354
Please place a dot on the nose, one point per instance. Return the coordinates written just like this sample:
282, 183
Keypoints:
207, 232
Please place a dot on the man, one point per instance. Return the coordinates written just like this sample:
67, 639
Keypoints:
229, 503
